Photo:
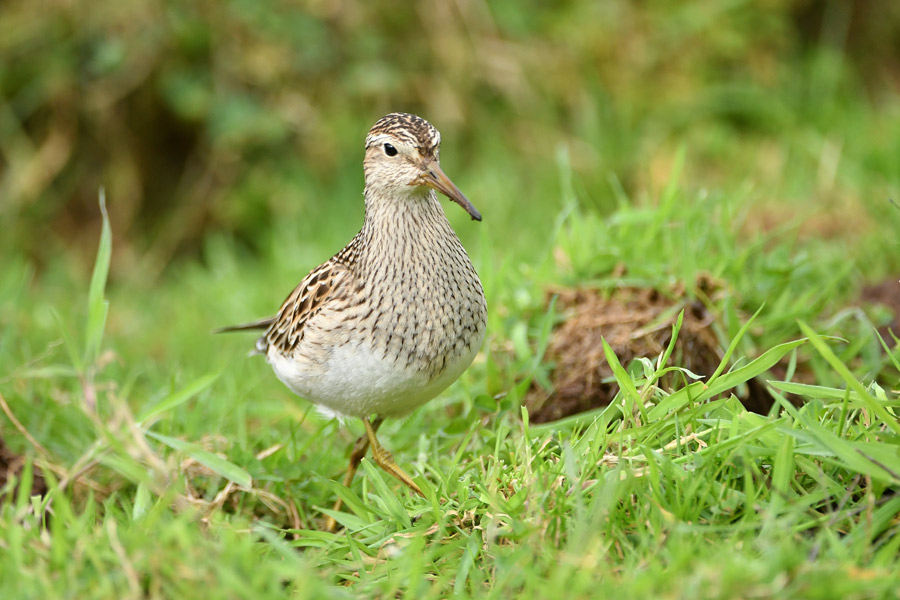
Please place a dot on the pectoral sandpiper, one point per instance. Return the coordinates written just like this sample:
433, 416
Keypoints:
397, 315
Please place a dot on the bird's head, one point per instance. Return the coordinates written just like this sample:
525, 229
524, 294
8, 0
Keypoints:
402, 155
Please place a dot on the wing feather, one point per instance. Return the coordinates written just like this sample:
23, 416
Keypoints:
318, 288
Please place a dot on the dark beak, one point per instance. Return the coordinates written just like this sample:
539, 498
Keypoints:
434, 177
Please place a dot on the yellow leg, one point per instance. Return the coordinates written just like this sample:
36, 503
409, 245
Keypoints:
359, 451
384, 459
381, 457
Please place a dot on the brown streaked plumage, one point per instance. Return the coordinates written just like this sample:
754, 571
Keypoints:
398, 314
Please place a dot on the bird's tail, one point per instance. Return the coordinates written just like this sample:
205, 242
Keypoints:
262, 344
261, 324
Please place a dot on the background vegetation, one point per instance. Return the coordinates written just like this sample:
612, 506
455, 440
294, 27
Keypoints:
607, 144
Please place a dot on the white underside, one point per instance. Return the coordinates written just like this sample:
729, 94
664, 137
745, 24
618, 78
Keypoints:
356, 382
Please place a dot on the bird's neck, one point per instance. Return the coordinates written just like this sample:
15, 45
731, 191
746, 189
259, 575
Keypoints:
404, 214
403, 225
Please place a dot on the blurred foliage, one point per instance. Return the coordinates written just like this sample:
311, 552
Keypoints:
231, 116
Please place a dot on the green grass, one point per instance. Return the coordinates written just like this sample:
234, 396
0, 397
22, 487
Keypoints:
177, 466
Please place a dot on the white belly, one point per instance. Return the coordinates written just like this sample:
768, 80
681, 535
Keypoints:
357, 382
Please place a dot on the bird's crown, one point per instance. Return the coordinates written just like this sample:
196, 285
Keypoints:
405, 127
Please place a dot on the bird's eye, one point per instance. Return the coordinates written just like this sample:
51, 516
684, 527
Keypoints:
390, 150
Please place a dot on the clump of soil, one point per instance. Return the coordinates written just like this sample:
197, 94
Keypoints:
11, 465
636, 322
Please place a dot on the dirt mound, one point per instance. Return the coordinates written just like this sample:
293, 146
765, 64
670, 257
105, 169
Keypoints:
636, 322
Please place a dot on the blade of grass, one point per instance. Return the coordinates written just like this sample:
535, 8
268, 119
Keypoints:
142, 502
733, 346
218, 464
97, 304
676, 328
68, 342
465, 563
700, 392
888, 351
850, 455
756, 367
626, 384
864, 396
813, 391
389, 499
177, 398
783, 470
351, 501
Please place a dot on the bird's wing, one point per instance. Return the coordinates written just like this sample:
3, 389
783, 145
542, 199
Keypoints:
323, 284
